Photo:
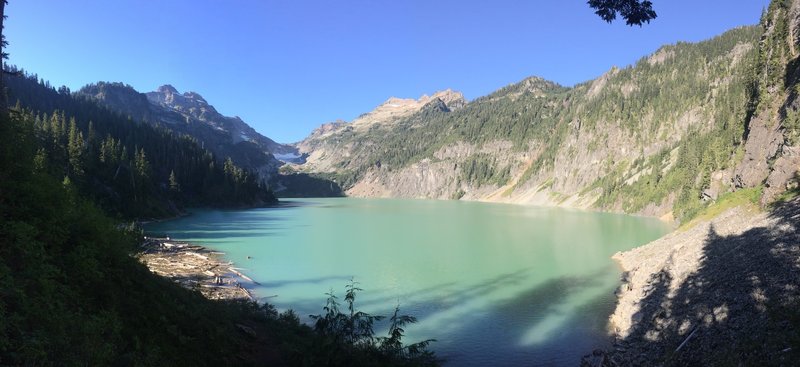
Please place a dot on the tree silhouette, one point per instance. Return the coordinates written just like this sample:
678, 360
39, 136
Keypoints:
635, 12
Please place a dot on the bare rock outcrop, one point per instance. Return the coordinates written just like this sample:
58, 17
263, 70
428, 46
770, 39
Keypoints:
396, 108
784, 175
764, 142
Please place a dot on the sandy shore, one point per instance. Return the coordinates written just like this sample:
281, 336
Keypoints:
195, 267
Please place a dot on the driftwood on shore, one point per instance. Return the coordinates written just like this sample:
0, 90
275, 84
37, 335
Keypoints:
195, 267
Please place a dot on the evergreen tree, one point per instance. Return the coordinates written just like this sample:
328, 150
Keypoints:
141, 164
127, 170
174, 186
75, 149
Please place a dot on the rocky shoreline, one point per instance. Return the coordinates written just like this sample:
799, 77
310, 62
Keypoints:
196, 267
724, 292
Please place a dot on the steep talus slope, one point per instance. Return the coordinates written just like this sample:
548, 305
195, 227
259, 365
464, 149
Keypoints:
722, 293
631, 140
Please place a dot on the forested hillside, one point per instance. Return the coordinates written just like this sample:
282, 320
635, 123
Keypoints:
71, 294
655, 138
130, 168
189, 114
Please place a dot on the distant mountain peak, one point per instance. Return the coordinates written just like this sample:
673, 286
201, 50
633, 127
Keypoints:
452, 99
167, 89
188, 102
195, 96
397, 102
533, 85
395, 108
537, 83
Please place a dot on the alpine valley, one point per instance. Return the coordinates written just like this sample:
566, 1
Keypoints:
650, 139
704, 136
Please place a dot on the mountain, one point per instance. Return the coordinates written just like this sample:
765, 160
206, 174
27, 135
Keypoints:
323, 147
193, 107
131, 169
189, 113
75, 290
662, 137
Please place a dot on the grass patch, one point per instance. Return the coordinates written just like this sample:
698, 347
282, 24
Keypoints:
547, 184
743, 197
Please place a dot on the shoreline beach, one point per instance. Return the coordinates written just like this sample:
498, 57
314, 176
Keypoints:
196, 267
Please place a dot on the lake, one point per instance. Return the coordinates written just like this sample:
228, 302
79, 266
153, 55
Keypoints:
495, 284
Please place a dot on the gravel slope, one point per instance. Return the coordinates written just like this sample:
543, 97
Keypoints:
725, 292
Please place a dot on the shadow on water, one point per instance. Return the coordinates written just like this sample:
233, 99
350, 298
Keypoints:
561, 323
302, 185
428, 298
549, 325
233, 236
216, 225
741, 306
281, 283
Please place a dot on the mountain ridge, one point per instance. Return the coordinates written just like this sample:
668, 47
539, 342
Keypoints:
189, 113
606, 143
626, 141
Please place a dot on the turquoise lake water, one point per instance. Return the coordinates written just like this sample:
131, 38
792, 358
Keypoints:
495, 284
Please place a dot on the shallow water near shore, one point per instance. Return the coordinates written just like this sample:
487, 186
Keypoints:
495, 284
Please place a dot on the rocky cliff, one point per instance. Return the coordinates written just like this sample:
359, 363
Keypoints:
771, 152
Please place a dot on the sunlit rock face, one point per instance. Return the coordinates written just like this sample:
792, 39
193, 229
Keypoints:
325, 147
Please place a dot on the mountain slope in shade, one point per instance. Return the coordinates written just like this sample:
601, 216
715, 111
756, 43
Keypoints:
189, 113
192, 106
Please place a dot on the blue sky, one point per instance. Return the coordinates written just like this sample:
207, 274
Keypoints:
287, 66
